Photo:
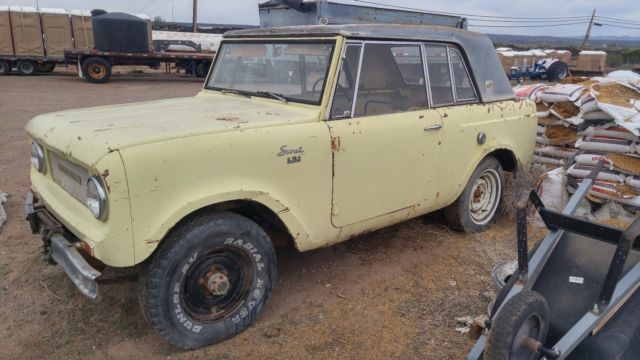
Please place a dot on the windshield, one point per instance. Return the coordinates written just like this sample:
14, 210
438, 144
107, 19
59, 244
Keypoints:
290, 71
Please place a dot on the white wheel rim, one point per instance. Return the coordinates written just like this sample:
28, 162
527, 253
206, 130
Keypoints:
485, 196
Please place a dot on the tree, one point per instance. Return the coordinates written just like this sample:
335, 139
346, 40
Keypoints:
158, 22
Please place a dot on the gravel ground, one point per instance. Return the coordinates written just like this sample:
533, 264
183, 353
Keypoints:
392, 294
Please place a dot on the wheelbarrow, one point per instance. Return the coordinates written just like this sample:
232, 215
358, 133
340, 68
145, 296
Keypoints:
573, 296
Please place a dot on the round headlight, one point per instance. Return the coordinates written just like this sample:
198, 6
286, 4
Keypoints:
37, 157
97, 198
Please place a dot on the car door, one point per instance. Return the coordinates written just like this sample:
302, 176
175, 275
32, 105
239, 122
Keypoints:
465, 120
386, 139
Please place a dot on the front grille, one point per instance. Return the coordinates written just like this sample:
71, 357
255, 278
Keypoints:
70, 176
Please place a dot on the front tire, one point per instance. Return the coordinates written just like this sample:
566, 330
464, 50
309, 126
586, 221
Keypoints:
209, 280
476, 208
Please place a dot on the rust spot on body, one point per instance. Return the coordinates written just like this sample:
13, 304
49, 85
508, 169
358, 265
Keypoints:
104, 176
335, 143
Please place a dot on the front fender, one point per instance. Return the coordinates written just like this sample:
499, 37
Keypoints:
144, 248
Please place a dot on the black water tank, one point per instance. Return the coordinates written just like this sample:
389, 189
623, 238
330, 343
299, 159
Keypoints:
120, 32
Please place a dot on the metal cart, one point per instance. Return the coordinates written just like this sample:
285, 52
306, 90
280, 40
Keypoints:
574, 296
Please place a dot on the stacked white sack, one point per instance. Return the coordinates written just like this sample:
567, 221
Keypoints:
555, 134
593, 119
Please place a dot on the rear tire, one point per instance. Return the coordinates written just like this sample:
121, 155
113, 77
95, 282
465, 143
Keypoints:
202, 69
476, 208
26, 67
5, 68
46, 67
209, 280
526, 314
557, 71
96, 70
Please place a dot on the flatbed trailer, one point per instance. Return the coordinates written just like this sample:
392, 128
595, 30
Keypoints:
29, 65
95, 65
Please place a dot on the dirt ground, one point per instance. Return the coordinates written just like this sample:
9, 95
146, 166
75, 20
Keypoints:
392, 294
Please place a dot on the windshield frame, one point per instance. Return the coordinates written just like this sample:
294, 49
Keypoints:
321, 41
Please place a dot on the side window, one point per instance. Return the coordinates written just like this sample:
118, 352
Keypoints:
464, 86
346, 87
390, 80
439, 74
409, 61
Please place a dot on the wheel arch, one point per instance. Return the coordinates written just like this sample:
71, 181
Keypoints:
506, 158
270, 214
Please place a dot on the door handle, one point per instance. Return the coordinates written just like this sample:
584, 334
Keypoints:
433, 127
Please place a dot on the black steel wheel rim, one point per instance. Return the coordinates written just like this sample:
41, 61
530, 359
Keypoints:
205, 306
532, 328
26, 68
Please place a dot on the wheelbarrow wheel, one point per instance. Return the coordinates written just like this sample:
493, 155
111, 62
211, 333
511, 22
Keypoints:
523, 318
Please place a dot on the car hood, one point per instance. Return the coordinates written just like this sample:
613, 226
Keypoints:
89, 134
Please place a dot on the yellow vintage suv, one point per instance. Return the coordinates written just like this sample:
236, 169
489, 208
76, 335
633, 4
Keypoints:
303, 135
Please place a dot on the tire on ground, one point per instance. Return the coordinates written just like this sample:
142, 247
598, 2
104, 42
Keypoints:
26, 67
476, 208
5, 68
46, 67
526, 313
557, 71
96, 70
176, 292
202, 69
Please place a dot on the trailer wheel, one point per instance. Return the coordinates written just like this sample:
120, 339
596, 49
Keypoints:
26, 67
525, 317
46, 67
558, 71
202, 69
5, 68
96, 70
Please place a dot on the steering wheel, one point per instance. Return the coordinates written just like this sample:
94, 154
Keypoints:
316, 83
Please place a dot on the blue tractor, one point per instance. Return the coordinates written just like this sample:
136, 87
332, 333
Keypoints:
545, 69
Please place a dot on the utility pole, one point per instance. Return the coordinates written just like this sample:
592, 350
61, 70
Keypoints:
195, 16
588, 34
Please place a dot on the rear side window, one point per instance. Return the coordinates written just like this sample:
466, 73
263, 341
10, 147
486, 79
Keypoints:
346, 87
439, 74
391, 80
463, 85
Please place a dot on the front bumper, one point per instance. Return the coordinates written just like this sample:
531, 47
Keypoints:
60, 249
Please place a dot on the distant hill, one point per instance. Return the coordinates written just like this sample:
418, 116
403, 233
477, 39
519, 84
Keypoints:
555, 41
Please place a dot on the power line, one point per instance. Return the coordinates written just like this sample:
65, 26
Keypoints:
618, 21
158, 7
146, 6
619, 26
471, 15
524, 21
529, 26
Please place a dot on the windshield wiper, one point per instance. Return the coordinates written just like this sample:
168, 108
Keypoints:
274, 95
235, 92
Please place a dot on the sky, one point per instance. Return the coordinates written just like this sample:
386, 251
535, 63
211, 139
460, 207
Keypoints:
245, 12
